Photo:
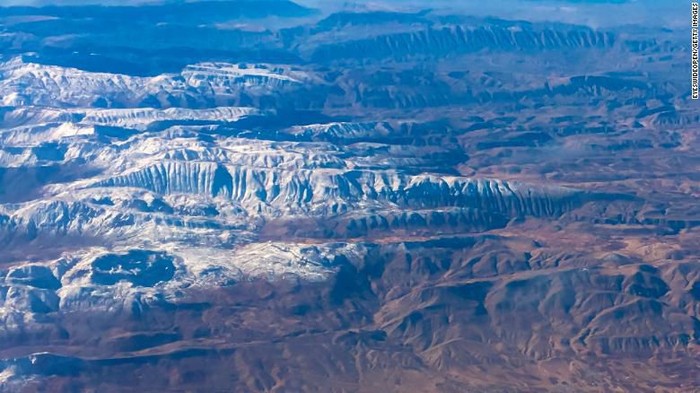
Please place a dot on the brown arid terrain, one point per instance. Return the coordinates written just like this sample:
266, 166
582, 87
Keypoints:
366, 201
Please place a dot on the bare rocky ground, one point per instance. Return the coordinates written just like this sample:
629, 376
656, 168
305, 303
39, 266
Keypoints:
402, 202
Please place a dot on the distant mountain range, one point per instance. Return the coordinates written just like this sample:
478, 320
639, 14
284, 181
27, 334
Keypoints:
264, 197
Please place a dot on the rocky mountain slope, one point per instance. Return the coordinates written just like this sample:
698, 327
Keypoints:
287, 201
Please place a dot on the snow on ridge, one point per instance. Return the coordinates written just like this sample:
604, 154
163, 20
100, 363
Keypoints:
142, 117
197, 201
24, 83
241, 71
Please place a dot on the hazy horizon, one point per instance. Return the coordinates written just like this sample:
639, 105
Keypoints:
595, 13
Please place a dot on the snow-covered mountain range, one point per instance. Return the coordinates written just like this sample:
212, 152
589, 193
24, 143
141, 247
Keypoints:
378, 193
198, 202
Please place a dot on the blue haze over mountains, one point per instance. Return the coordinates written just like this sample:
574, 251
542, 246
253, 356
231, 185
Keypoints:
322, 196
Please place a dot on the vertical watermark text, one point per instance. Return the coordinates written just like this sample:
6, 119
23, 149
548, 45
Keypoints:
694, 50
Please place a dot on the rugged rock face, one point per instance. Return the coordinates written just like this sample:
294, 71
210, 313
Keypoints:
365, 201
455, 39
202, 85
